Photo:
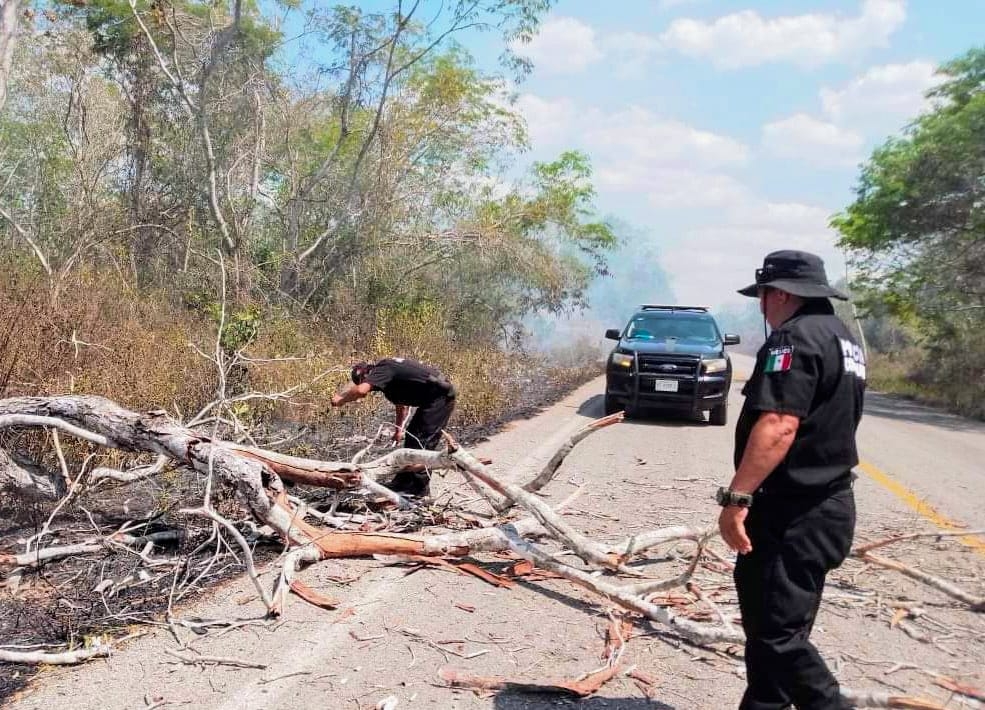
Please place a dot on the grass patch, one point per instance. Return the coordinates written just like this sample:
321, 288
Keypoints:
896, 373
955, 383
96, 336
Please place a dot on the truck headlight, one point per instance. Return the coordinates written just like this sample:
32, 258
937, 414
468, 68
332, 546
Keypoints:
622, 360
717, 365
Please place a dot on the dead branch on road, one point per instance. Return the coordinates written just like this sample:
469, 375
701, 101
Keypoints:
581, 688
373, 522
29, 480
199, 660
65, 658
936, 534
976, 603
881, 699
864, 553
256, 476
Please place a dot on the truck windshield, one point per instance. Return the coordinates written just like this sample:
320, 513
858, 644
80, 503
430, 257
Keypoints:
682, 329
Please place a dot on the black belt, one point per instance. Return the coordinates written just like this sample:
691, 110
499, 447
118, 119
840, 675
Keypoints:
842, 483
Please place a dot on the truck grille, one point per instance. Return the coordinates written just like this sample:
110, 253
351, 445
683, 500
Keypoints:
677, 366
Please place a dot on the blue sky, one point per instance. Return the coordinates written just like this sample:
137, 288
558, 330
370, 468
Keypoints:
725, 129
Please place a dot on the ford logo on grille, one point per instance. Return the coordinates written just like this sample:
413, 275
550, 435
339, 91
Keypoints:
667, 367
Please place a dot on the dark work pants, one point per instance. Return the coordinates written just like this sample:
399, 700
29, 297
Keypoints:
423, 432
795, 542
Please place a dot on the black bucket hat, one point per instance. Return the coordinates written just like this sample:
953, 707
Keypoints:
796, 272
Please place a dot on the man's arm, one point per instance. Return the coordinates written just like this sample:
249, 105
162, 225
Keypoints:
769, 441
398, 422
352, 394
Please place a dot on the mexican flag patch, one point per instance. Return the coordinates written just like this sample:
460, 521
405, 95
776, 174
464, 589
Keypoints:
779, 359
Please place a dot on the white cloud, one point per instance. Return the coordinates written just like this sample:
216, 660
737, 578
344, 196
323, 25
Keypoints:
633, 135
668, 163
671, 188
809, 139
871, 106
882, 98
550, 122
637, 134
733, 248
748, 39
564, 45
792, 217
628, 53
715, 229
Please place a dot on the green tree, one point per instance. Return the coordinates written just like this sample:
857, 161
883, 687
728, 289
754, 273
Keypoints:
917, 228
166, 142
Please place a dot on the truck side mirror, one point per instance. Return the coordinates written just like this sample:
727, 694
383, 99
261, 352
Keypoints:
731, 339
613, 334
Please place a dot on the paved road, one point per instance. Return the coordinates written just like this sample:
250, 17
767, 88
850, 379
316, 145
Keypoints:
920, 470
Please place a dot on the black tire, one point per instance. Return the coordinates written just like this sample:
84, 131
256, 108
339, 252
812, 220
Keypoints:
611, 405
718, 416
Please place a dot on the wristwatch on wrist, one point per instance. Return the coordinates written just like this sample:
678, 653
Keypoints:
726, 496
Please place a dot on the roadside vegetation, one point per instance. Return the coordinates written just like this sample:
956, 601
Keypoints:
917, 234
319, 183
212, 209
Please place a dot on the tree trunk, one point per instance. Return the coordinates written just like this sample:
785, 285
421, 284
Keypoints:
9, 18
144, 238
29, 480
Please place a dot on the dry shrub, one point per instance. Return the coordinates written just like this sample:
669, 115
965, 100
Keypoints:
955, 371
484, 376
951, 377
98, 337
895, 372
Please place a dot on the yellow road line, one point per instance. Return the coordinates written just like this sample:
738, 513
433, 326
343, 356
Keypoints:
914, 501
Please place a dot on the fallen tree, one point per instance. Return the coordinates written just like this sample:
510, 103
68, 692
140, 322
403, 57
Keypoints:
258, 476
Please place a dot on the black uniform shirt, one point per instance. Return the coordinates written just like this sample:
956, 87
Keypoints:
408, 382
810, 367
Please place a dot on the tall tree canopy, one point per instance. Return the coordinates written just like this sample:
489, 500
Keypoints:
918, 223
917, 227
368, 165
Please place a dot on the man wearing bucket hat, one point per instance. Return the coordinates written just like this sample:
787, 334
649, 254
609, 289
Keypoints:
789, 511
407, 383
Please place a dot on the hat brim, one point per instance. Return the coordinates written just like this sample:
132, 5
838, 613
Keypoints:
797, 288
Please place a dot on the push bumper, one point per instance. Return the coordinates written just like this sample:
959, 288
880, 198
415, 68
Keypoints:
644, 390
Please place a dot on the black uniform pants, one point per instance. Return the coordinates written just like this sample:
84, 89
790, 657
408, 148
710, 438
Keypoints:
795, 542
423, 432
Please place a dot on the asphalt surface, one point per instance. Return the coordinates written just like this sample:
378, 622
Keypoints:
394, 630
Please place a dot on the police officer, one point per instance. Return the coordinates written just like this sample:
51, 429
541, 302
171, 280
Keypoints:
407, 383
790, 511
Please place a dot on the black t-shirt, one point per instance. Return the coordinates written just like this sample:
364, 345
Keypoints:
810, 367
409, 382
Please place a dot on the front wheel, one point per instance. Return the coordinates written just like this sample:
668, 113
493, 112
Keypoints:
611, 405
718, 416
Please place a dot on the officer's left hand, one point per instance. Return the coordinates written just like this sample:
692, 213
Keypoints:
336, 400
732, 526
